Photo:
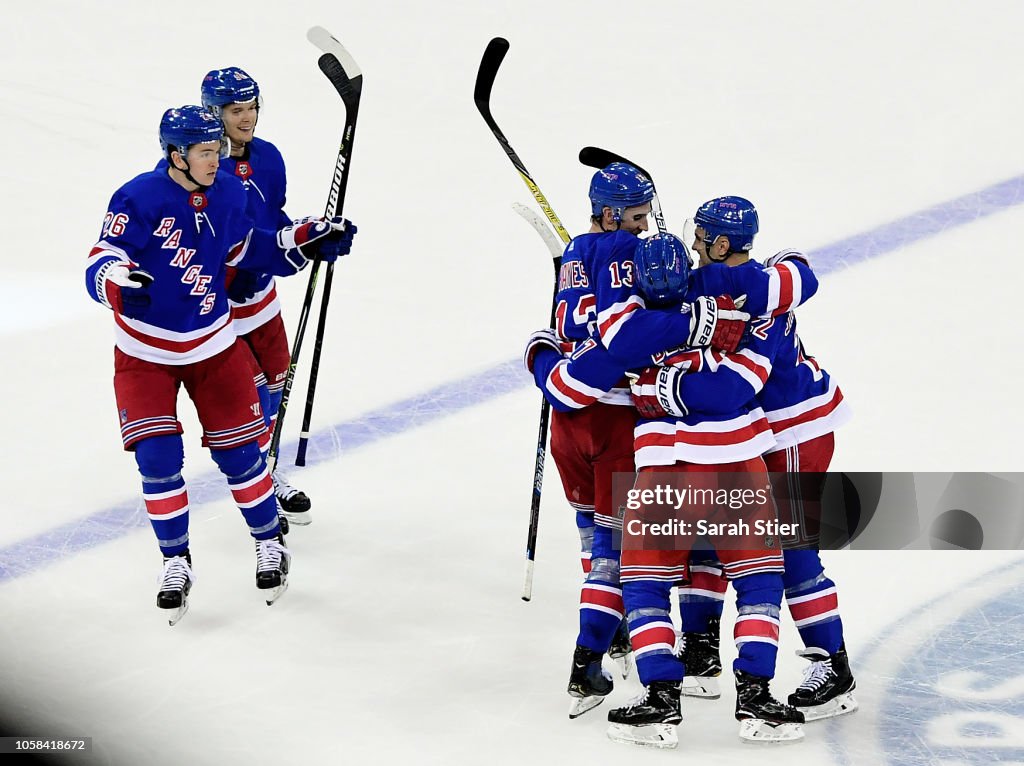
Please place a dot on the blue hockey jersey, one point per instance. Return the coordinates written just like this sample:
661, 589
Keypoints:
185, 240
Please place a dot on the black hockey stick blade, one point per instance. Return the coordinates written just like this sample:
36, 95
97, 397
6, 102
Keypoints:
348, 88
595, 157
494, 54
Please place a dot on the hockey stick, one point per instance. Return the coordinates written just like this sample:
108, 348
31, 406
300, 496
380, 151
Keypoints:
494, 54
336, 64
554, 246
593, 157
346, 77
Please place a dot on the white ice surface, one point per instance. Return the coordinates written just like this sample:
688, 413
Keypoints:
402, 637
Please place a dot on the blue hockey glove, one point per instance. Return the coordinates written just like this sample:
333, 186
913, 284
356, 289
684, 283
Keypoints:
126, 290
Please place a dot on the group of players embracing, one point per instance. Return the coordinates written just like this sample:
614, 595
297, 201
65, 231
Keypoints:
186, 260
656, 368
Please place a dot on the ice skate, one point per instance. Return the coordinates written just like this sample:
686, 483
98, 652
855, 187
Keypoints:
272, 563
293, 502
175, 583
621, 650
762, 717
703, 661
589, 683
649, 720
827, 688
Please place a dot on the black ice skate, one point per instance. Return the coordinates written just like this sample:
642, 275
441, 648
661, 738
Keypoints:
272, 563
827, 688
703, 660
762, 717
589, 684
621, 649
175, 583
650, 719
293, 502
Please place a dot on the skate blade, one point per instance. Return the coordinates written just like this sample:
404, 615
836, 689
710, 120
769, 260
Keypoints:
174, 615
660, 735
841, 705
271, 595
703, 687
298, 518
581, 705
757, 731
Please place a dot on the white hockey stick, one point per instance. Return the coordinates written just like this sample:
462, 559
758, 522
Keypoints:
555, 245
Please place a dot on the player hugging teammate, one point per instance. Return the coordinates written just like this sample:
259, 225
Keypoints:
171, 240
701, 378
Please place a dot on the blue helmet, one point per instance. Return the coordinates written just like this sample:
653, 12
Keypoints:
662, 265
187, 125
732, 217
619, 186
228, 86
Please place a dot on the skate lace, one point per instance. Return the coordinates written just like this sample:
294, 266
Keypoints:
268, 555
640, 699
816, 675
282, 488
175, 574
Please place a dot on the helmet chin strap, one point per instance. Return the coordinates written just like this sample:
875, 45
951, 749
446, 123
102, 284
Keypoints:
188, 172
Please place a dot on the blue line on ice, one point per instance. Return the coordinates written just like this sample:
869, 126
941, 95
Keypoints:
26, 556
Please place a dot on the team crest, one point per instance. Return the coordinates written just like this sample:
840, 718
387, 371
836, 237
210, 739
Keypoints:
243, 170
198, 200
123, 415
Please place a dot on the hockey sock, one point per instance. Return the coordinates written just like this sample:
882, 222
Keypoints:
160, 459
704, 598
251, 486
585, 526
601, 607
269, 411
758, 600
812, 600
651, 631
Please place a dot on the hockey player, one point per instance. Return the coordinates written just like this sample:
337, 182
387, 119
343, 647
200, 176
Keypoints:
716, 428
234, 97
804, 406
167, 239
591, 443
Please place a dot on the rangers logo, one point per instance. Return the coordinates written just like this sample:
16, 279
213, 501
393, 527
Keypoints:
198, 200
124, 415
243, 170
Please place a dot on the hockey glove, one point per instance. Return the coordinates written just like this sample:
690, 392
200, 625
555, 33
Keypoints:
656, 392
126, 290
324, 238
243, 285
541, 339
717, 322
788, 255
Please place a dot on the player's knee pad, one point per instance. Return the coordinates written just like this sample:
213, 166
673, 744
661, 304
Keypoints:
160, 457
758, 590
803, 570
239, 462
645, 598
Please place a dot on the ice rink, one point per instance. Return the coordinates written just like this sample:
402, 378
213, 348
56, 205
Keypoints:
881, 136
